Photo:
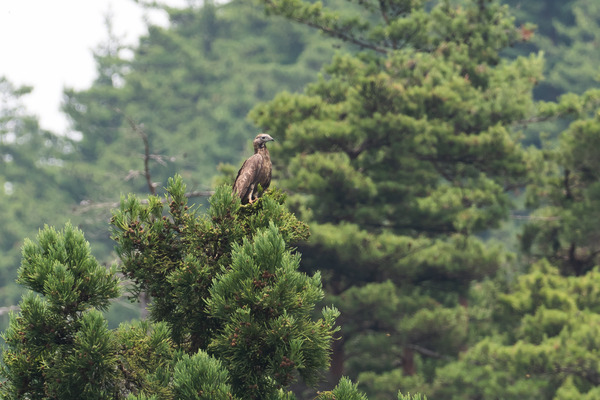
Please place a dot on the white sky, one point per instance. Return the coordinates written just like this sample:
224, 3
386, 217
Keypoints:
48, 44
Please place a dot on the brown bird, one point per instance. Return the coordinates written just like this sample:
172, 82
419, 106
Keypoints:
255, 170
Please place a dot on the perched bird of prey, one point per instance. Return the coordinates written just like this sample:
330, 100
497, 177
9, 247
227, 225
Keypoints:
255, 170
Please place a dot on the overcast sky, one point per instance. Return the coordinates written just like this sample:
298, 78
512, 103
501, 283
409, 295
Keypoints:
48, 44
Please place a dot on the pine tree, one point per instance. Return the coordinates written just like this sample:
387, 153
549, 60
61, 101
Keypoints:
545, 346
399, 155
234, 272
263, 306
567, 32
563, 227
59, 344
231, 315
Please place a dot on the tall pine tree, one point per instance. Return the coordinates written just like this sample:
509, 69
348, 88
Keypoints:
399, 155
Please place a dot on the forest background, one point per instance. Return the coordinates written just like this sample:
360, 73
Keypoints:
447, 165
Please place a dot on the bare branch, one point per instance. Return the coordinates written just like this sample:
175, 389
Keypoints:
138, 128
534, 218
427, 352
201, 193
6, 310
161, 159
536, 119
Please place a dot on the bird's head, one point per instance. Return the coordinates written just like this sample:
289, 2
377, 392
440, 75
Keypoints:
261, 139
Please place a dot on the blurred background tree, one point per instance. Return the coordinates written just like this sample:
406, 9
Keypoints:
33, 190
545, 345
399, 157
565, 222
191, 86
568, 34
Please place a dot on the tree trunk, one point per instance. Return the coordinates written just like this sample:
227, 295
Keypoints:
337, 358
408, 362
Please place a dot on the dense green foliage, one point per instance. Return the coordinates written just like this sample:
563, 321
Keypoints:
405, 155
566, 197
232, 315
59, 345
545, 348
568, 33
399, 157
192, 251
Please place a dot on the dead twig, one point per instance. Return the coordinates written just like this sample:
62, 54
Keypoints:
6, 310
138, 129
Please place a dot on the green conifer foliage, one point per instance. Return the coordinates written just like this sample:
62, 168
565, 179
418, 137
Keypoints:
264, 306
201, 377
546, 346
564, 227
233, 316
400, 155
146, 359
567, 32
59, 345
191, 250
344, 390
411, 397
227, 282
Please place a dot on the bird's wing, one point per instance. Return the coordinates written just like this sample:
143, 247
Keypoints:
248, 174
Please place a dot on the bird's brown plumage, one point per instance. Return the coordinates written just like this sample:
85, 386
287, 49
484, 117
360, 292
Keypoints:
255, 170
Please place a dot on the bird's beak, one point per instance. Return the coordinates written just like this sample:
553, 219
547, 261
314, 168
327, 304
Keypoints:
270, 139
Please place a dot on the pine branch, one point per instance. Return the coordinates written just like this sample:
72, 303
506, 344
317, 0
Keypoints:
319, 24
343, 36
